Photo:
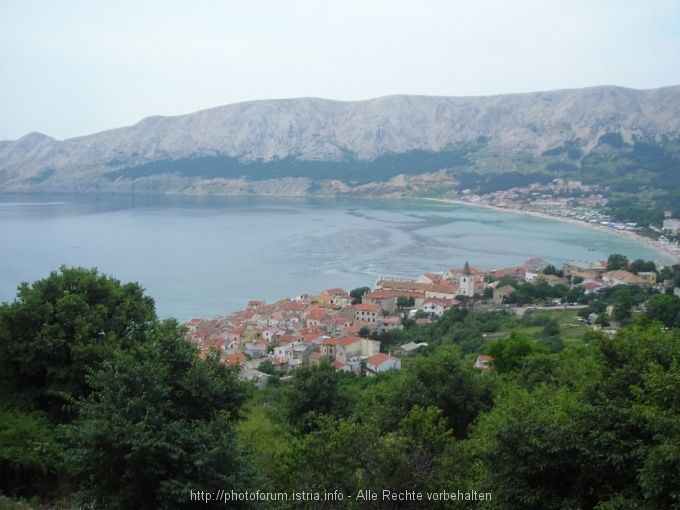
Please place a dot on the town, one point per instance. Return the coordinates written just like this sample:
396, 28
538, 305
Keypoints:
343, 327
574, 202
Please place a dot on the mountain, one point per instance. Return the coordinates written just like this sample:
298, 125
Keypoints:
385, 145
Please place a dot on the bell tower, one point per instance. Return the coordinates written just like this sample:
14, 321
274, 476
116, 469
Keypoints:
466, 285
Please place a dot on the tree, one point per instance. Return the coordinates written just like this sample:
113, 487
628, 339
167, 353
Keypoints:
356, 294
324, 461
602, 320
405, 301
525, 450
443, 380
350, 455
617, 261
601, 433
623, 305
314, 391
158, 425
639, 265
30, 455
664, 308
59, 328
575, 294
551, 328
508, 354
552, 270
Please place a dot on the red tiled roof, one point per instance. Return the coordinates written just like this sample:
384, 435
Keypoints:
367, 307
381, 294
377, 359
344, 341
234, 359
294, 306
508, 271
440, 301
402, 287
336, 292
348, 340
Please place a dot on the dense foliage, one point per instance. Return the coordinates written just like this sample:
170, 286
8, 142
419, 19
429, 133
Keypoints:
351, 170
158, 425
99, 398
60, 327
592, 424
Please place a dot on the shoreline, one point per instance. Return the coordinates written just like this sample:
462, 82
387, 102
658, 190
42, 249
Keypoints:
670, 251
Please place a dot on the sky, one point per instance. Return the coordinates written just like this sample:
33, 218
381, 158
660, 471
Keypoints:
75, 67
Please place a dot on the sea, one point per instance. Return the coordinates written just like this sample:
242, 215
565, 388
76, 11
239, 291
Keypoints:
204, 256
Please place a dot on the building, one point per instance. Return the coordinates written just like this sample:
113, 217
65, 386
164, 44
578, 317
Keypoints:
437, 306
366, 313
500, 295
382, 362
585, 269
345, 348
622, 277
672, 225
483, 363
466, 284
409, 349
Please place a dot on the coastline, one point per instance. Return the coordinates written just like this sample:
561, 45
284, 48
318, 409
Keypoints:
670, 251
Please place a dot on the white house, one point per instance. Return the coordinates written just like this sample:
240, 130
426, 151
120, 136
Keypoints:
437, 306
382, 362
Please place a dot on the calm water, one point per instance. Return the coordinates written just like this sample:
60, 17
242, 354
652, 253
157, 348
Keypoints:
205, 256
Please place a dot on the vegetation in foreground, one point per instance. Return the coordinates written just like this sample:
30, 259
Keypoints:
102, 404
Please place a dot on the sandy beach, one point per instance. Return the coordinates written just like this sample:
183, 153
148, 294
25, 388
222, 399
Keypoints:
668, 250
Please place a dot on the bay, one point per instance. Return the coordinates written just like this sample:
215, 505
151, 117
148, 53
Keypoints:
206, 256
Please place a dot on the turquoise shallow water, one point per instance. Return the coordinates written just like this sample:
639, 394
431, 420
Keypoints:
205, 256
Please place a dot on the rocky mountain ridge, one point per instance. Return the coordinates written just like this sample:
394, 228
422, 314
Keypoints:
500, 132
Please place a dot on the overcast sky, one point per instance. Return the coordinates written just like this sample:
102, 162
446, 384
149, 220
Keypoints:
72, 68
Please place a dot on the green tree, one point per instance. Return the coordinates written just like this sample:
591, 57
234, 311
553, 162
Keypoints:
601, 431
59, 328
30, 455
664, 308
551, 328
350, 455
405, 301
508, 354
658, 404
552, 270
158, 425
602, 320
327, 459
444, 380
356, 294
575, 294
639, 265
314, 391
623, 305
617, 261
418, 456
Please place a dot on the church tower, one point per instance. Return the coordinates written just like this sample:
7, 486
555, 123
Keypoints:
466, 286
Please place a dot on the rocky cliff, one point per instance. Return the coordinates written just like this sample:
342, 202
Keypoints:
297, 146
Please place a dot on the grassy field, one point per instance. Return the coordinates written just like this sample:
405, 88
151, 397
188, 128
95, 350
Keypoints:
571, 331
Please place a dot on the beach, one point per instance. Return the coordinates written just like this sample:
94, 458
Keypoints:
671, 251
